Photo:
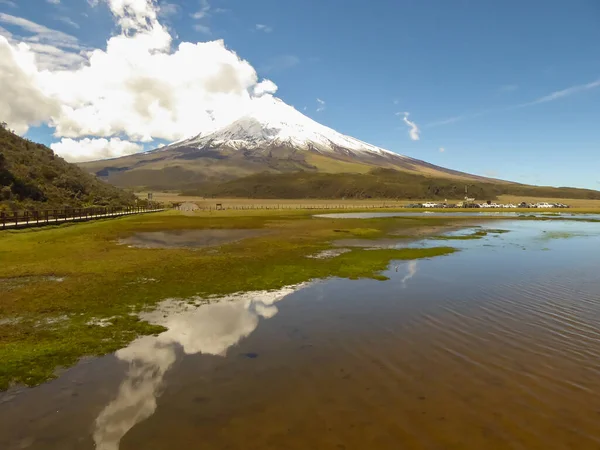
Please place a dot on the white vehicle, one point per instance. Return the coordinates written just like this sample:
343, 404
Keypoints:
429, 205
544, 205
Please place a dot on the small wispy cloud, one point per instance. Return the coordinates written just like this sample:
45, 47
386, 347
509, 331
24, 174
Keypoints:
202, 28
203, 11
396, 101
442, 149
447, 121
199, 15
320, 105
509, 88
166, 9
556, 95
68, 21
265, 28
413, 132
562, 93
54, 2
8, 3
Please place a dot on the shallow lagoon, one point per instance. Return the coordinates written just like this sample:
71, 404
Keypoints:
496, 346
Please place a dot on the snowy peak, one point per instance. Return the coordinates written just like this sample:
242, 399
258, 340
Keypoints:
274, 123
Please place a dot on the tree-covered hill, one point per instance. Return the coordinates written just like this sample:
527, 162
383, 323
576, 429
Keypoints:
32, 176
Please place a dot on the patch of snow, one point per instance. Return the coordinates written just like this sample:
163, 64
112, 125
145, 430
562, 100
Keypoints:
273, 122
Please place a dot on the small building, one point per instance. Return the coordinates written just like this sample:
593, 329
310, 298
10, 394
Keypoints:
188, 207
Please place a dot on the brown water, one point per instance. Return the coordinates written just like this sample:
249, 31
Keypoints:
495, 347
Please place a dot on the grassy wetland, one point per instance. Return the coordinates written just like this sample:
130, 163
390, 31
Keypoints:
74, 290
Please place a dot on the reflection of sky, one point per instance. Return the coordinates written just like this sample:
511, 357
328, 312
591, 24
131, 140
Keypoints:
216, 327
209, 329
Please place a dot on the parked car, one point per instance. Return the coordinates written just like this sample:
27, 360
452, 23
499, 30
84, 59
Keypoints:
430, 205
544, 205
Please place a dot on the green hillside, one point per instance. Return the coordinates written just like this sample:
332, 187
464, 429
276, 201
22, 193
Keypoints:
379, 183
32, 176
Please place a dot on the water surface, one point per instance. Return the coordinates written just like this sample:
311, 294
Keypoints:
494, 347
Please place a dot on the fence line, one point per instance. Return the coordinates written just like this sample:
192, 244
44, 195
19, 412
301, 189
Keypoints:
23, 219
222, 207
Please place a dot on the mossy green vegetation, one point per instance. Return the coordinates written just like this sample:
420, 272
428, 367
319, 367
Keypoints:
72, 290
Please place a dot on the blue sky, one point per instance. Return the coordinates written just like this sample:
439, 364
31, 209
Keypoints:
508, 89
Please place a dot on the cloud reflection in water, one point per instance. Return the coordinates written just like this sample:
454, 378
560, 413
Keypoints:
209, 329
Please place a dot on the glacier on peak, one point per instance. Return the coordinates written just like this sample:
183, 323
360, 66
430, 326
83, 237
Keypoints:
272, 122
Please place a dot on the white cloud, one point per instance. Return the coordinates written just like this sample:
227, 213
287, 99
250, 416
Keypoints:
8, 3
134, 15
442, 149
22, 102
265, 87
562, 93
202, 28
203, 11
40, 33
92, 149
414, 131
166, 9
265, 28
447, 121
68, 21
199, 14
52, 49
138, 88
54, 2
202, 14
556, 95
320, 105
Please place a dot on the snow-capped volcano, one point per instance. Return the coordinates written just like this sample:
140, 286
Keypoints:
273, 123
272, 137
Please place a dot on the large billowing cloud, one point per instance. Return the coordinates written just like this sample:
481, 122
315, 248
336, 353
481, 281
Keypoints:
91, 149
140, 86
22, 102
